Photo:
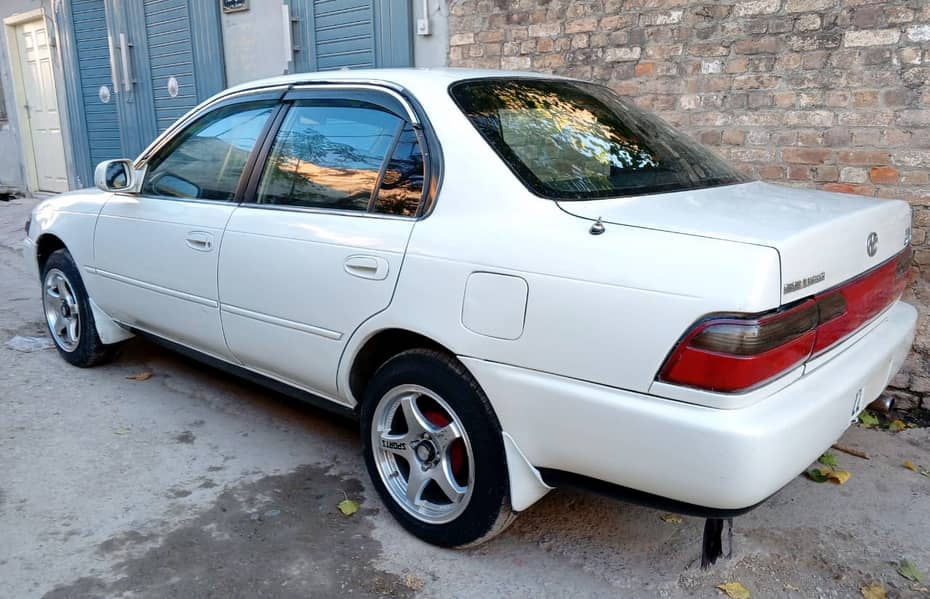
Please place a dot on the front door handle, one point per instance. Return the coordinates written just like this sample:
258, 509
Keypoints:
367, 267
200, 241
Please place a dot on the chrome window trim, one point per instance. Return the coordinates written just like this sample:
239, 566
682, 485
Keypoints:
411, 114
392, 89
169, 133
356, 213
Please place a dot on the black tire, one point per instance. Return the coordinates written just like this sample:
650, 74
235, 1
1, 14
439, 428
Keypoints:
89, 351
488, 511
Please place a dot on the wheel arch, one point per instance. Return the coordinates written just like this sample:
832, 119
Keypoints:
109, 332
46, 245
380, 347
526, 486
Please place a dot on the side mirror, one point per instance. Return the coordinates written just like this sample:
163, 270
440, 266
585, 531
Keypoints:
114, 175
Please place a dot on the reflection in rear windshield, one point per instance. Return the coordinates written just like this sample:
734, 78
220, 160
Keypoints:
571, 140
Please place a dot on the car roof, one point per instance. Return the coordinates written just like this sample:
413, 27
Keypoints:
408, 78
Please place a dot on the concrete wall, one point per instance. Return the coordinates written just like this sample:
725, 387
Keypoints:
253, 40
833, 94
11, 174
432, 50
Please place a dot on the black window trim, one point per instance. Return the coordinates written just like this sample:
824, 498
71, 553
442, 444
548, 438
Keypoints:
166, 143
521, 176
429, 142
398, 103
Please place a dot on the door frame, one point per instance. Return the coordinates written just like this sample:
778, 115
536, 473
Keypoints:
27, 150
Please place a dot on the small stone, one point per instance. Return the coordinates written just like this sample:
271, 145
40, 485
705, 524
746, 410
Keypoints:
875, 37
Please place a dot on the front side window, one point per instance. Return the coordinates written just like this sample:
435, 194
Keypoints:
329, 154
569, 140
206, 160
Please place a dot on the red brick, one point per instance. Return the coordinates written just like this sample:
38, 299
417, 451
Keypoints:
772, 173
864, 157
799, 173
645, 69
806, 155
845, 188
884, 174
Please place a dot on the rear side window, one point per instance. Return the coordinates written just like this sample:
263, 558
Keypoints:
569, 140
206, 160
402, 183
329, 154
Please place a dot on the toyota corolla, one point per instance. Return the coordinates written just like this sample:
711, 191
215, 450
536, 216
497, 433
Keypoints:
512, 282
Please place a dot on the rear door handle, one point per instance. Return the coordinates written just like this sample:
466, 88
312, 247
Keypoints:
200, 241
367, 267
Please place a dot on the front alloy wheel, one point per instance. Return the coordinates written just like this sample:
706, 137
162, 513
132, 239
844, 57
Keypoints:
61, 310
68, 314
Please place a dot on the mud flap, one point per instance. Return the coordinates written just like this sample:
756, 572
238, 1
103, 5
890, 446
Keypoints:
712, 544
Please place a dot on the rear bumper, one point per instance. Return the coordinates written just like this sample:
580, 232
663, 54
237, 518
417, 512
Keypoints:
714, 458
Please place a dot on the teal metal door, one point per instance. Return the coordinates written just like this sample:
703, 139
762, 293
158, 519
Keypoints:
133, 67
335, 34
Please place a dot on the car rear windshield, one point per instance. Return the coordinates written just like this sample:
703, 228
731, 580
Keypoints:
569, 140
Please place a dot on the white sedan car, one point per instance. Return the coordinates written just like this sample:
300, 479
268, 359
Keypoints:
512, 281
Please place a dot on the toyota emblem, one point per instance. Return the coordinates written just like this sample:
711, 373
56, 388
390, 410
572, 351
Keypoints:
871, 246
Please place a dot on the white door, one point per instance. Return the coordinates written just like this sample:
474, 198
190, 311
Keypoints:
320, 249
42, 106
156, 251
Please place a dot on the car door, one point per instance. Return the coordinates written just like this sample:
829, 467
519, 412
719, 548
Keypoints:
318, 245
156, 251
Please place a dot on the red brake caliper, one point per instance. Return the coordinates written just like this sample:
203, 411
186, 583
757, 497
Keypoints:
456, 450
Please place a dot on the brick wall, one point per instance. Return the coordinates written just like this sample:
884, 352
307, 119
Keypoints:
832, 94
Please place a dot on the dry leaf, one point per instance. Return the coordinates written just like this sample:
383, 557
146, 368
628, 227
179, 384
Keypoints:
735, 590
347, 507
825, 473
828, 459
909, 570
671, 518
840, 477
873, 591
896, 426
868, 419
140, 376
910, 465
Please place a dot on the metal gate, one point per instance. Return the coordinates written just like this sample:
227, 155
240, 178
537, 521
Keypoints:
135, 66
335, 34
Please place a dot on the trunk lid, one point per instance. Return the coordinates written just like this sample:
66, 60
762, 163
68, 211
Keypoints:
823, 239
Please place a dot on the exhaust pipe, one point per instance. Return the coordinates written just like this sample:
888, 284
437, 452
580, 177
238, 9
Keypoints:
883, 404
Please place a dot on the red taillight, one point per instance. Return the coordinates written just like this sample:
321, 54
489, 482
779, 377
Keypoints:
735, 353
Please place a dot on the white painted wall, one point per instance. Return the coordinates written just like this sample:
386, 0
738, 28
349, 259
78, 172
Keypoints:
432, 50
11, 172
253, 42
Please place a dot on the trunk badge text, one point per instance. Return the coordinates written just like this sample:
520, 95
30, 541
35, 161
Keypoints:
805, 282
871, 245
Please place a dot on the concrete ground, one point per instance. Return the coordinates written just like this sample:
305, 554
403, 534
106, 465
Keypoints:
195, 484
